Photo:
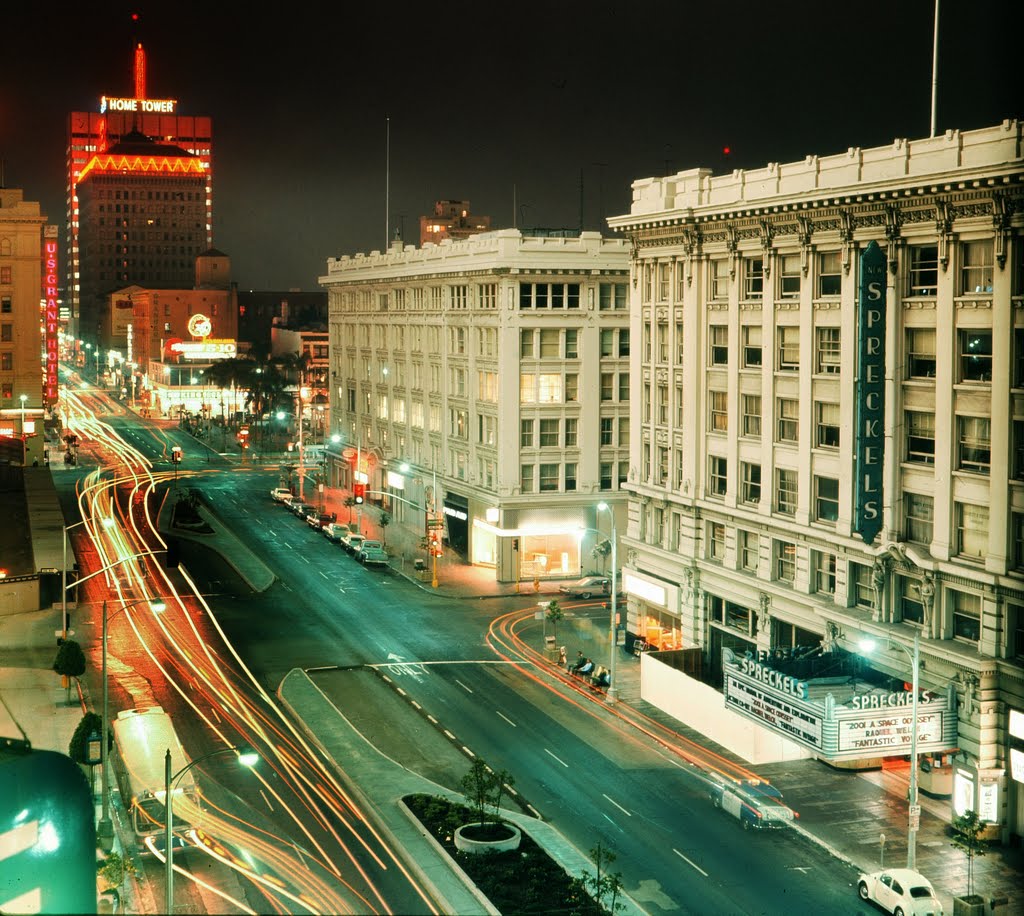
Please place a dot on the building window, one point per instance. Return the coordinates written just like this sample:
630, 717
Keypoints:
750, 484
719, 338
549, 433
826, 425
1017, 453
527, 388
572, 383
549, 341
720, 279
718, 406
679, 345
612, 296
570, 476
571, 344
923, 275
607, 430
785, 561
716, 541
526, 433
749, 551
974, 441
549, 474
861, 589
571, 427
966, 615
827, 351
826, 499
1018, 350
606, 475
830, 274
751, 407
920, 437
790, 273
975, 356
785, 491
7, 361
1017, 538
526, 336
6, 333
753, 278
607, 342
911, 608
526, 478
607, 386
646, 403
624, 343
789, 349
971, 530
976, 272
921, 353
752, 346
824, 572
624, 387
718, 470
662, 394
919, 518
788, 420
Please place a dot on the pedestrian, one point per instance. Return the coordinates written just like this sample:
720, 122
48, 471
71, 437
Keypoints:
561, 657
580, 661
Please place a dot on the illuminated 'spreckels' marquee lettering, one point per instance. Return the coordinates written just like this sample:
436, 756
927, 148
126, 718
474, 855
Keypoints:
159, 106
51, 316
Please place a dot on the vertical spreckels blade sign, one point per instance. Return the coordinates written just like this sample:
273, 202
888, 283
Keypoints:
870, 437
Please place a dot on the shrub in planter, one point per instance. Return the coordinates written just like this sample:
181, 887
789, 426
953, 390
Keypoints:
89, 724
967, 829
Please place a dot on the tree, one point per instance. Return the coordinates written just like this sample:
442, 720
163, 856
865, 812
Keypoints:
601, 550
967, 829
603, 883
483, 789
114, 869
384, 521
554, 613
69, 663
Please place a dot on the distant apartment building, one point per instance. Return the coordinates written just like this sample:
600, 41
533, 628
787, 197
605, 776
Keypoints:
27, 386
497, 370
823, 455
451, 219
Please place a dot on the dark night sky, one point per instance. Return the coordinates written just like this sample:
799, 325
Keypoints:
489, 110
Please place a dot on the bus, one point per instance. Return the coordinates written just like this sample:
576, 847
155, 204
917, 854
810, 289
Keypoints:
142, 738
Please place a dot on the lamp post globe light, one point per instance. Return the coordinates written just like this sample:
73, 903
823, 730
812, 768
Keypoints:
23, 398
105, 829
914, 810
247, 757
612, 693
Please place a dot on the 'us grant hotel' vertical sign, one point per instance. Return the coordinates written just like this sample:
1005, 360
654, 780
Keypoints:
870, 439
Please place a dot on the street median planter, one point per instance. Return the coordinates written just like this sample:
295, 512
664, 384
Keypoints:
490, 837
969, 905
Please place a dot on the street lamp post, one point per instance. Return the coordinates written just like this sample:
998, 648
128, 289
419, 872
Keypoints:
303, 393
914, 810
104, 828
613, 624
246, 757
23, 398
430, 512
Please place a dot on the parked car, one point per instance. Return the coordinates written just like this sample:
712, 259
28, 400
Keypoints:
900, 890
279, 493
318, 519
308, 512
298, 507
587, 587
335, 532
287, 499
351, 542
754, 802
372, 553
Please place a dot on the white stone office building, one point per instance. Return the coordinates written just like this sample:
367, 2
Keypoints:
497, 368
747, 515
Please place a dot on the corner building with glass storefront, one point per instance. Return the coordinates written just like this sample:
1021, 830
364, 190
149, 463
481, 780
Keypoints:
757, 474
484, 384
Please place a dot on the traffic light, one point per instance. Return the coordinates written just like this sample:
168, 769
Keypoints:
359, 491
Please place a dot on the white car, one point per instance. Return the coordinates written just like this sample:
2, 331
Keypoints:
902, 891
279, 493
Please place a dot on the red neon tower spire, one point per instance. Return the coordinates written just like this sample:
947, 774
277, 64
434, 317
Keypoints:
140, 72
